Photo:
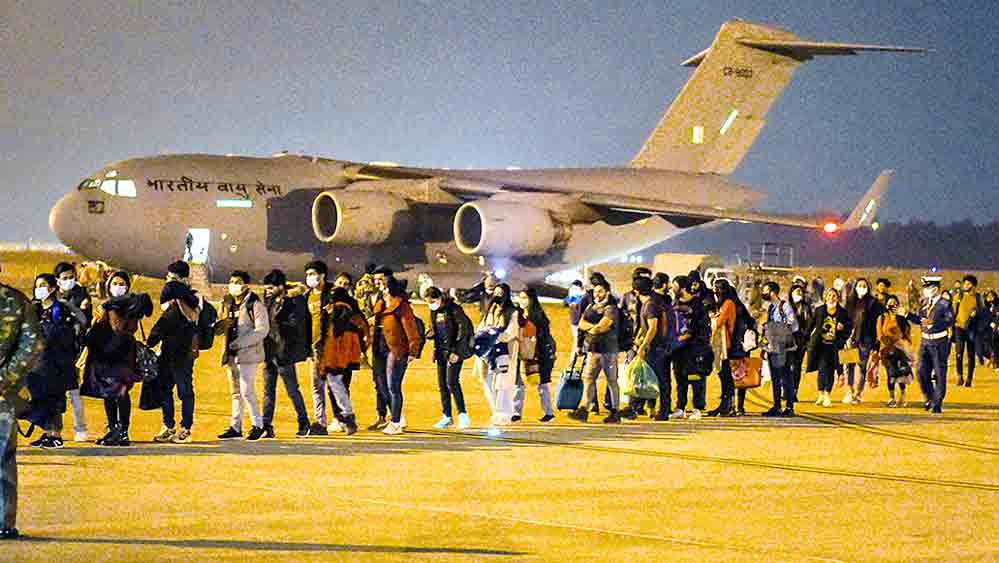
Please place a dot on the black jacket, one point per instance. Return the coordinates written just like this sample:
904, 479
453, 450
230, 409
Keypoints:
290, 337
446, 341
55, 371
79, 297
176, 334
864, 314
815, 333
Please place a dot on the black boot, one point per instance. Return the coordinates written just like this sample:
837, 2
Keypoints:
580, 414
350, 424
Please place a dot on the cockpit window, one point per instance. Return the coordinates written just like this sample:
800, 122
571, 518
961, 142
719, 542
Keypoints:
88, 184
123, 188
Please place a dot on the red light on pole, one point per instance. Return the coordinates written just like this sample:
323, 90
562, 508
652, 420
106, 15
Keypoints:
830, 228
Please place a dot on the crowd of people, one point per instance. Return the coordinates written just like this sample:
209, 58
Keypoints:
678, 332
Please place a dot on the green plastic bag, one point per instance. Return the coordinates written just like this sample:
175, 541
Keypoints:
640, 380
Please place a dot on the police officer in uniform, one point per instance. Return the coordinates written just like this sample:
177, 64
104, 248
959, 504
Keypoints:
20, 347
936, 318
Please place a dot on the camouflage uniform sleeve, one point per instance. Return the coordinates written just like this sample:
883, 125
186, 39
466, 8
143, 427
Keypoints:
18, 321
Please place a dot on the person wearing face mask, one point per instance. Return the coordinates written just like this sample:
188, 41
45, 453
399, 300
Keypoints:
110, 368
60, 322
319, 302
724, 324
537, 356
596, 278
76, 295
498, 371
631, 307
344, 340
176, 333
895, 350
286, 345
402, 339
245, 324
935, 318
599, 329
696, 340
451, 331
779, 334
804, 312
830, 328
864, 311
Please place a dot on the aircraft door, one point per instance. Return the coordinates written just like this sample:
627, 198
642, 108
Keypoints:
197, 245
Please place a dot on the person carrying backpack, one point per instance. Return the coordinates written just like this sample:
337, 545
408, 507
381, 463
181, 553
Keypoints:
245, 325
779, 334
176, 332
691, 345
452, 333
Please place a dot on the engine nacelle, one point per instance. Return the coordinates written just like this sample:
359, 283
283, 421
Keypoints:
362, 218
500, 228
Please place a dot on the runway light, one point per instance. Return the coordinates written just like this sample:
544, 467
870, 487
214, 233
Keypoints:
830, 227
875, 226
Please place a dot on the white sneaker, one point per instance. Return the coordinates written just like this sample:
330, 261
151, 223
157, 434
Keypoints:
857, 399
444, 423
464, 422
818, 402
695, 415
826, 401
848, 397
677, 415
393, 428
80, 436
402, 421
334, 426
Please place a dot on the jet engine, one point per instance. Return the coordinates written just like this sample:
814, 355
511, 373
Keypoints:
500, 228
363, 218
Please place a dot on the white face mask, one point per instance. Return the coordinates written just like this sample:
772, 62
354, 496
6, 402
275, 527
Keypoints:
235, 289
929, 292
117, 290
435, 306
796, 297
42, 293
861, 291
576, 291
312, 281
67, 285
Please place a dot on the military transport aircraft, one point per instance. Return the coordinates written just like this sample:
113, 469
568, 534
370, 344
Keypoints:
234, 212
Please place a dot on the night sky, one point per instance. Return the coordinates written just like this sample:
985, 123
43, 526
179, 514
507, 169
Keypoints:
493, 84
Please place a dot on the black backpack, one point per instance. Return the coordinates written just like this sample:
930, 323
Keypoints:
465, 348
625, 330
206, 325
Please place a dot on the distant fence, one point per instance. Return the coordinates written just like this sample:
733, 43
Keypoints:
54, 248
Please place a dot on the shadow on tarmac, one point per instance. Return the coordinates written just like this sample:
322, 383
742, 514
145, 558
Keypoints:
274, 546
373, 443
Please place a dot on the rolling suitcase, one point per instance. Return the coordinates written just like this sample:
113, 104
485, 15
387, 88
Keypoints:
570, 389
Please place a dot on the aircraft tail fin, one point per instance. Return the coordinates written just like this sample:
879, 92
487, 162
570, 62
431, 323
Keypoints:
715, 119
863, 215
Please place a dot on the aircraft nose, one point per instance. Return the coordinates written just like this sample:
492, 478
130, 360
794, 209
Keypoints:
62, 219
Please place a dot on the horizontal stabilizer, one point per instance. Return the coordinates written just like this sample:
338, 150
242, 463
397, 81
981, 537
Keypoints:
805, 50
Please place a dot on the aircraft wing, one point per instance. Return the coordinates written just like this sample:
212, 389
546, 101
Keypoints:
459, 184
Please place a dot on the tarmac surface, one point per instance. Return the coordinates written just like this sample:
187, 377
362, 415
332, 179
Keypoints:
843, 484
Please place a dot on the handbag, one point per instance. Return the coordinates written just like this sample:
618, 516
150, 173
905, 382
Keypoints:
151, 397
146, 363
570, 390
849, 356
746, 372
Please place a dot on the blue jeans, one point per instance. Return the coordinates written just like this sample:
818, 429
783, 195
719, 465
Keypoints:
181, 375
395, 370
290, 378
